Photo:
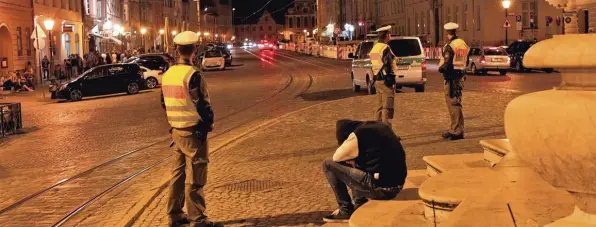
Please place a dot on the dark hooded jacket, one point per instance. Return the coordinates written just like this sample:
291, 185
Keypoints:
379, 150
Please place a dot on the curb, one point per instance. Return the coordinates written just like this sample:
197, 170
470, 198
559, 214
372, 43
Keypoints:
133, 214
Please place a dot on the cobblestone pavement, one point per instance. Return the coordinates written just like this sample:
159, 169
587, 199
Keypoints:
250, 184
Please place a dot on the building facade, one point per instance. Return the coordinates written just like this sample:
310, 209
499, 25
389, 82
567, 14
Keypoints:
118, 25
16, 27
265, 28
481, 22
299, 18
216, 20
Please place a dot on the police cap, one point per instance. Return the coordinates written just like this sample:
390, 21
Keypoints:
451, 26
186, 38
384, 29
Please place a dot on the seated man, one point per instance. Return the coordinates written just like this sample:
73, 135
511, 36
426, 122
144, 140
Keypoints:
370, 161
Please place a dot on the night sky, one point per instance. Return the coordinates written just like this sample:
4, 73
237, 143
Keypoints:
247, 7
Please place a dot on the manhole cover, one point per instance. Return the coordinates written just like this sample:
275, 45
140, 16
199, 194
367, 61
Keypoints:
251, 185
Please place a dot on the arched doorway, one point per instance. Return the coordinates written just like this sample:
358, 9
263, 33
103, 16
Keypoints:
5, 50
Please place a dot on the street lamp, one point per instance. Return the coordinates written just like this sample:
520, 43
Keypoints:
506, 4
174, 33
143, 31
233, 10
49, 24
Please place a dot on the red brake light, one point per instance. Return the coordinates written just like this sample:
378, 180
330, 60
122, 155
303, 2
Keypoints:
508, 60
482, 60
424, 64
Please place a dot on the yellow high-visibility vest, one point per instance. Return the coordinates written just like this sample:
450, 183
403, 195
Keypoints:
180, 109
461, 50
376, 57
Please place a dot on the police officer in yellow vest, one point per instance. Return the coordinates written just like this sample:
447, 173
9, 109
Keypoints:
381, 58
190, 114
452, 66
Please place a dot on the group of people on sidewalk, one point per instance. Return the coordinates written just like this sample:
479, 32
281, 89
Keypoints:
19, 81
370, 159
74, 65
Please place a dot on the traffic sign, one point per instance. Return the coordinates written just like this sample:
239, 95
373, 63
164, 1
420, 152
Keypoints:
568, 20
507, 24
518, 18
511, 14
518, 26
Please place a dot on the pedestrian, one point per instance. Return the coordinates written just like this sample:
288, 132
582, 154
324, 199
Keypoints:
67, 68
45, 65
187, 103
81, 64
370, 161
452, 66
123, 57
381, 57
114, 58
108, 59
74, 65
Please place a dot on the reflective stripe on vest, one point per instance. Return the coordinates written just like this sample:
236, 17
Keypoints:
376, 57
461, 49
180, 109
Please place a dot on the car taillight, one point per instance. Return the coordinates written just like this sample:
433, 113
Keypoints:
160, 73
482, 60
423, 65
508, 60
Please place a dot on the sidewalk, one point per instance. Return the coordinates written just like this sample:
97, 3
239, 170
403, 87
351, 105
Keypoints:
273, 177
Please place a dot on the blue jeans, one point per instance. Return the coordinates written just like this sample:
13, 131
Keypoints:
342, 176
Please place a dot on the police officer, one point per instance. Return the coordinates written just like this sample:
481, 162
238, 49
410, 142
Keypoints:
189, 112
452, 66
381, 58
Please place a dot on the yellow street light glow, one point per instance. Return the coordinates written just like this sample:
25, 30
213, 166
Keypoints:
506, 4
143, 31
174, 32
49, 24
161, 31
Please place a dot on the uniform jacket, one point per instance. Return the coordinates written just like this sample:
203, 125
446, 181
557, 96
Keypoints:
199, 96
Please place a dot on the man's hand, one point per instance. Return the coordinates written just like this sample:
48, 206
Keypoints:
351, 163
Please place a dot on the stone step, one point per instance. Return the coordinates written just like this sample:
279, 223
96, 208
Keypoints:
405, 210
392, 213
437, 164
441, 197
495, 150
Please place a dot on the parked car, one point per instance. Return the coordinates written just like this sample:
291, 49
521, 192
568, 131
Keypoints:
516, 51
484, 59
155, 61
227, 54
152, 77
103, 80
409, 68
213, 59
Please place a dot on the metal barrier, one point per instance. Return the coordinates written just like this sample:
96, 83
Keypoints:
433, 52
10, 118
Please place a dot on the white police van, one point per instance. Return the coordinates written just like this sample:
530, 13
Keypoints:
409, 64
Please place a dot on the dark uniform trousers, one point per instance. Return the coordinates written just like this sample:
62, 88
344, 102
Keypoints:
189, 176
453, 96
